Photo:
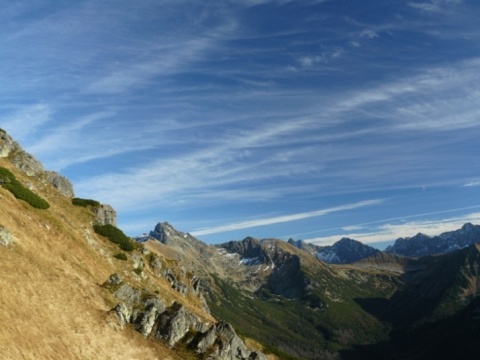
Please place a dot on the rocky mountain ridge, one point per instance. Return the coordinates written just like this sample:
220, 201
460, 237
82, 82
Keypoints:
292, 272
27, 163
344, 251
424, 245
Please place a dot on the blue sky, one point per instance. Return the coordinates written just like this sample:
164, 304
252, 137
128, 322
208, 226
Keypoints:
267, 118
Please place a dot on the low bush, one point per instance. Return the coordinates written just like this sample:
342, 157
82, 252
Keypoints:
85, 202
6, 176
120, 256
9, 182
116, 236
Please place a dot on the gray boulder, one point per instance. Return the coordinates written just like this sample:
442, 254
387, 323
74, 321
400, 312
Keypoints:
128, 294
175, 323
105, 215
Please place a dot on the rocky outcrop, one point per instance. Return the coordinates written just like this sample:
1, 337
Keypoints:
174, 324
59, 182
248, 248
5, 236
105, 215
27, 163
7, 145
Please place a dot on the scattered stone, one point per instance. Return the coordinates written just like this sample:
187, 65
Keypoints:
137, 261
114, 279
5, 236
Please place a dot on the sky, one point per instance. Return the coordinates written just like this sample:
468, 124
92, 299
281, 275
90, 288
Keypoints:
307, 119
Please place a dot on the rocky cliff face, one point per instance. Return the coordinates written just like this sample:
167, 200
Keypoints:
27, 164
250, 250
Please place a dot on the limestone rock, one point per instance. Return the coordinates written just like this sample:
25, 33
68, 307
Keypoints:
61, 183
123, 312
128, 294
114, 279
26, 163
5, 236
228, 345
7, 145
105, 215
175, 324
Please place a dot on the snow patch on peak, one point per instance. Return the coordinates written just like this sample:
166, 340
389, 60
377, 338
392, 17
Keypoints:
328, 257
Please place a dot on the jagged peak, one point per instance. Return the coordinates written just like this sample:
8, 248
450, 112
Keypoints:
422, 245
168, 235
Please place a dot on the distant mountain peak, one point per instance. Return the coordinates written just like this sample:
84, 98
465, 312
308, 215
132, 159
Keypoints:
168, 235
423, 245
345, 251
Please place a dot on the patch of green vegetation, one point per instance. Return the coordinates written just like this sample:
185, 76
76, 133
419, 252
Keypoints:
290, 329
112, 287
116, 236
85, 202
138, 270
120, 256
10, 183
6, 175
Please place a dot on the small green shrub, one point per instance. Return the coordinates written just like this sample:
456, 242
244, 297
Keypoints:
9, 182
85, 202
138, 270
6, 175
116, 236
120, 256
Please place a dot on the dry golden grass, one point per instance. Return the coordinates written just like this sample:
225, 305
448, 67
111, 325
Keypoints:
52, 306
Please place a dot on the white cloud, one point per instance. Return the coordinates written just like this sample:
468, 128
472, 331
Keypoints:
472, 183
171, 59
368, 33
27, 120
393, 231
441, 98
284, 218
434, 5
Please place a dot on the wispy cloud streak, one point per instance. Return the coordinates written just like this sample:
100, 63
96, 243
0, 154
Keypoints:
388, 230
283, 218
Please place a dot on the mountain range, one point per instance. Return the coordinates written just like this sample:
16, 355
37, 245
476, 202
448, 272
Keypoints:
74, 286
